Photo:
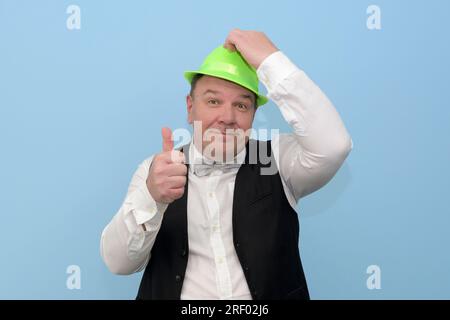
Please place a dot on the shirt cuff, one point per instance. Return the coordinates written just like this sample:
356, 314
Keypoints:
274, 69
144, 208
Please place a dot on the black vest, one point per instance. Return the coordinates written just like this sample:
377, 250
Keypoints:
265, 236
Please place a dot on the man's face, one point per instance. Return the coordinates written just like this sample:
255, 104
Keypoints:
222, 107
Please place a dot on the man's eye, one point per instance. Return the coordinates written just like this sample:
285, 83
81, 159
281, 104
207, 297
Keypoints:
242, 106
213, 102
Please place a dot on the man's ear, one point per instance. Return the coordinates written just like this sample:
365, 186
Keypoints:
189, 108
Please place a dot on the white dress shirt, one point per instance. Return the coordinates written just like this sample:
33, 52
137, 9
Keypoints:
308, 158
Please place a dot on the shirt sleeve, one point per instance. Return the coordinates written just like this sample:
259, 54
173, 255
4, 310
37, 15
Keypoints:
125, 246
319, 143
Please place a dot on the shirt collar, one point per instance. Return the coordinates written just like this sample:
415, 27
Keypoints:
195, 157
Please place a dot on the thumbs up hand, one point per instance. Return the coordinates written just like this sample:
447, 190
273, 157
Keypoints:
167, 175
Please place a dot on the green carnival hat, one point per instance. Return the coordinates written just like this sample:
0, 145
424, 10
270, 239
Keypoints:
230, 65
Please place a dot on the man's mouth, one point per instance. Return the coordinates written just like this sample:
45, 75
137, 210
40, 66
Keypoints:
228, 132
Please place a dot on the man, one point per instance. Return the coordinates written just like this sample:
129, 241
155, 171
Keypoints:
204, 221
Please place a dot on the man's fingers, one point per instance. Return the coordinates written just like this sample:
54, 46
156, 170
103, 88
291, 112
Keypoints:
231, 40
176, 182
172, 170
177, 169
177, 156
173, 156
169, 168
228, 45
167, 139
176, 193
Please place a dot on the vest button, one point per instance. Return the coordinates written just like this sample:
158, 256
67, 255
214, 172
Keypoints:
177, 278
245, 268
183, 253
238, 244
255, 293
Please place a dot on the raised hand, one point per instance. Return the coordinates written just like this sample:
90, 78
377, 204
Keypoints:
167, 175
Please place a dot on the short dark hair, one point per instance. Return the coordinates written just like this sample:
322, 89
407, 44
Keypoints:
198, 76
194, 82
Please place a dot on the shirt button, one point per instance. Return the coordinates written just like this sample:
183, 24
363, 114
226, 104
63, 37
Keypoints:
210, 194
220, 260
215, 228
177, 278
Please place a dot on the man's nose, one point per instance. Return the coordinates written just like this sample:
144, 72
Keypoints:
228, 115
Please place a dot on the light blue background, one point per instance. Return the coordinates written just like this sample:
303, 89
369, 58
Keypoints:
79, 110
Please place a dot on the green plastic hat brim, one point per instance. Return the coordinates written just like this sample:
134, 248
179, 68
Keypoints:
260, 100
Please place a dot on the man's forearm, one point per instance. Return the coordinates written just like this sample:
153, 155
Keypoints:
127, 240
